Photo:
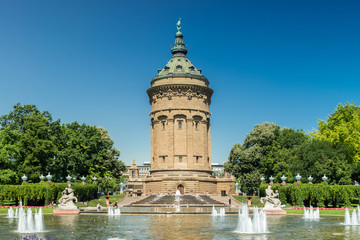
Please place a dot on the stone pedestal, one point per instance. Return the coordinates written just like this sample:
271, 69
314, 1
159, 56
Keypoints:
275, 212
59, 211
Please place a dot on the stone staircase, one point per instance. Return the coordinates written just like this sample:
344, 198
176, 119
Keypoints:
129, 200
188, 200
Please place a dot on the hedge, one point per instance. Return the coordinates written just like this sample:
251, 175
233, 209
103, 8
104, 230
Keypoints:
319, 195
42, 193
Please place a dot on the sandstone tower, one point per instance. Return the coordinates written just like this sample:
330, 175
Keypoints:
180, 127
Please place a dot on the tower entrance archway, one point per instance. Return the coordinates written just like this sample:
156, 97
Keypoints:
180, 187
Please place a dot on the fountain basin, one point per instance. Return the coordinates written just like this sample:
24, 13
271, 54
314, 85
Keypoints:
59, 211
165, 226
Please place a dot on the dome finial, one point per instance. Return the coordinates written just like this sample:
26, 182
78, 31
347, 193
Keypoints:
179, 46
178, 25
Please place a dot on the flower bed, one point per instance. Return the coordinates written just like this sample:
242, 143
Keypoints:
26, 207
321, 208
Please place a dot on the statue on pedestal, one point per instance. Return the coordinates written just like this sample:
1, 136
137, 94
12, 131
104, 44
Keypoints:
68, 199
272, 201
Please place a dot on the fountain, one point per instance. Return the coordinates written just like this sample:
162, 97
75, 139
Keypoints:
311, 214
213, 211
177, 208
12, 213
354, 219
222, 212
29, 223
114, 212
247, 225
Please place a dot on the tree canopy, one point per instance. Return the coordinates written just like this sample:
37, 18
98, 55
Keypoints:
342, 126
244, 160
32, 143
269, 150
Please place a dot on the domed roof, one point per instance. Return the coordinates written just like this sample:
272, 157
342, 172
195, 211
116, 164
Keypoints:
179, 64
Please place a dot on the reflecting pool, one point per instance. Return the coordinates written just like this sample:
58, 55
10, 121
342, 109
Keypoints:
172, 226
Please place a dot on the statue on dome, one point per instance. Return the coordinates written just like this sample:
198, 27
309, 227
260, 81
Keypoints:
178, 25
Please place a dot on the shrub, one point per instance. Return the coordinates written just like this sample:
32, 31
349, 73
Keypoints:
319, 195
41, 193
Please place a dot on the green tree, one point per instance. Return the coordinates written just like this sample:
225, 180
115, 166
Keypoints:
85, 150
317, 158
107, 184
342, 126
244, 160
281, 154
32, 143
26, 139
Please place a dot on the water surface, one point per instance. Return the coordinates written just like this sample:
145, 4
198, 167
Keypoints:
182, 227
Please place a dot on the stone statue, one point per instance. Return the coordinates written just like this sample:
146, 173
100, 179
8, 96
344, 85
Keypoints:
68, 199
178, 25
272, 201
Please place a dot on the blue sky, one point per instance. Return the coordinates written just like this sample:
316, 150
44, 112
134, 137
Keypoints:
287, 62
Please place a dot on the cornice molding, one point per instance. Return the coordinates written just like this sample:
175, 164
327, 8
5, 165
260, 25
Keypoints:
180, 90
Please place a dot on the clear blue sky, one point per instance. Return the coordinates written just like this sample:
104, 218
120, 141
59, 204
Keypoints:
287, 62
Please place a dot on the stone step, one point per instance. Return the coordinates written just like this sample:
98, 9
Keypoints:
178, 200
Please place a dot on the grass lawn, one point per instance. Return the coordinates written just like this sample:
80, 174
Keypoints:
45, 210
322, 212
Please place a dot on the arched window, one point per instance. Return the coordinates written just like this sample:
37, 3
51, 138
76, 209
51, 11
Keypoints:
178, 68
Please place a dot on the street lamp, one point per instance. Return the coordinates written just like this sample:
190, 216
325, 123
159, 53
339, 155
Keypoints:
24, 178
74, 179
271, 180
310, 179
94, 179
68, 178
236, 187
121, 188
262, 179
83, 179
49, 177
42, 178
298, 177
283, 179
324, 178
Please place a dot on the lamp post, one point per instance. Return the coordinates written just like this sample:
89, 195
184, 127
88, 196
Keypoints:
83, 179
48, 177
298, 177
324, 178
237, 188
68, 178
262, 179
310, 179
121, 188
74, 179
94, 179
24, 178
283, 179
271, 180
42, 178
